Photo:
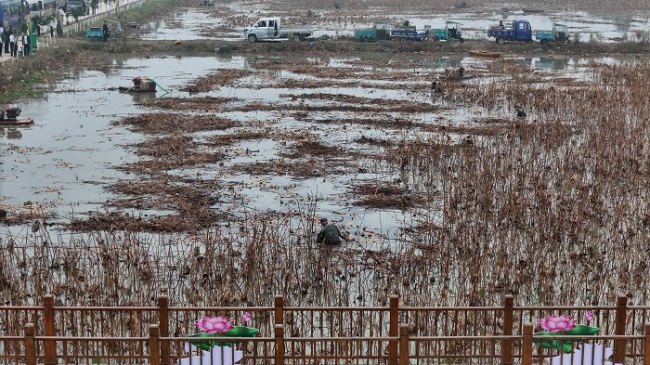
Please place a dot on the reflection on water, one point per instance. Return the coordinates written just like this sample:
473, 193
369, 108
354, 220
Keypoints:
142, 98
543, 63
550, 63
74, 145
14, 133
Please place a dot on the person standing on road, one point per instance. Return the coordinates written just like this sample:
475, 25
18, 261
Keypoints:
7, 34
26, 44
329, 234
2, 38
13, 48
105, 31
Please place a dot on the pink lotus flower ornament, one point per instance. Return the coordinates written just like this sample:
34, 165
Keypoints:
212, 325
212, 328
563, 326
246, 317
557, 323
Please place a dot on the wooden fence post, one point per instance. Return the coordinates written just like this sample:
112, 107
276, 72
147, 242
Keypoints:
50, 329
279, 344
646, 345
621, 321
393, 329
404, 345
30, 345
154, 344
506, 345
279, 309
163, 313
527, 345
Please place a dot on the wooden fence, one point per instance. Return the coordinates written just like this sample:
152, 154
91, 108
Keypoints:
51, 334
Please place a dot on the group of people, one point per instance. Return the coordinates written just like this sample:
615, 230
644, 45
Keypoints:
10, 40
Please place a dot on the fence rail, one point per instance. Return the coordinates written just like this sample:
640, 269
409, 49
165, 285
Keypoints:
392, 335
327, 350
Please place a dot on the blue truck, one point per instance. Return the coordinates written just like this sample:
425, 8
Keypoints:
517, 31
407, 32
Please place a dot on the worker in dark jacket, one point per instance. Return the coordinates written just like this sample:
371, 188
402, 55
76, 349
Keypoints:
105, 31
329, 234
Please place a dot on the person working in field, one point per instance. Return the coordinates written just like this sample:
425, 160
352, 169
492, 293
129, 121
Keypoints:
329, 234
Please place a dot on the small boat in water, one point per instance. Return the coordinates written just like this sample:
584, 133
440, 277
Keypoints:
9, 116
134, 89
485, 54
140, 85
17, 121
532, 10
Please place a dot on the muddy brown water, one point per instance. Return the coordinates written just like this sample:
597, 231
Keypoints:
64, 162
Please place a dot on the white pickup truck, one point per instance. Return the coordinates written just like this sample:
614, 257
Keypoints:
272, 28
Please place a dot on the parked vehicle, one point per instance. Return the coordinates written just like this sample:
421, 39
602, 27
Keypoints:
451, 31
379, 31
560, 33
95, 33
273, 28
72, 5
407, 32
12, 12
519, 30
42, 8
115, 31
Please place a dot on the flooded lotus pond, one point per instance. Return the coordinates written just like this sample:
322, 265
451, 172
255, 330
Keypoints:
66, 162
236, 156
